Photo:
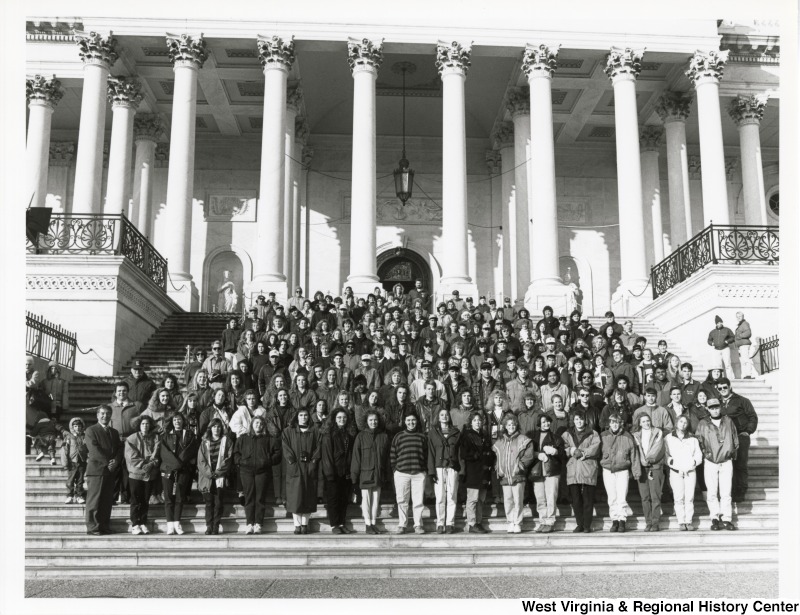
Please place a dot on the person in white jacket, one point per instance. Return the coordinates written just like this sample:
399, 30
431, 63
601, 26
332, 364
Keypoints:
683, 457
242, 419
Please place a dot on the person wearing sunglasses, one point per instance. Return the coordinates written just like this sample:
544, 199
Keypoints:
740, 410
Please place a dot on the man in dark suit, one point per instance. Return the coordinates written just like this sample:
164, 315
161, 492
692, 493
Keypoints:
104, 461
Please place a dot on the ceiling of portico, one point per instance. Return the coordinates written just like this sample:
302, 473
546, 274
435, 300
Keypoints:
230, 90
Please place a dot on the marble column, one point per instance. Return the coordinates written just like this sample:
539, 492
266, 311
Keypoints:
298, 198
546, 287
305, 255
622, 67
148, 129
650, 142
58, 179
518, 103
746, 112
276, 56
365, 58
188, 54
503, 139
294, 101
673, 109
124, 94
705, 72
98, 53
453, 62
495, 235
43, 95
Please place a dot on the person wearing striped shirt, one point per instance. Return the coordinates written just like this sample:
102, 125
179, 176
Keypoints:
408, 457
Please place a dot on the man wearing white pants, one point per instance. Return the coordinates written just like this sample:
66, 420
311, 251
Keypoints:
719, 444
683, 457
743, 345
620, 458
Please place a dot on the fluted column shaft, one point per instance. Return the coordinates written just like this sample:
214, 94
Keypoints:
746, 112
651, 188
673, 108
289, 189
43, 94
518, 103
301, 133
147, 130
124, 96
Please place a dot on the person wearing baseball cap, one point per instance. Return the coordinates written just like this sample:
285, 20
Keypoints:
140, 386
368, 371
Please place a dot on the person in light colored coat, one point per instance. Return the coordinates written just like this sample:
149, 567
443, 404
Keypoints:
514, 458
143, 460
683, 458
582, 446
214, 460
620, 459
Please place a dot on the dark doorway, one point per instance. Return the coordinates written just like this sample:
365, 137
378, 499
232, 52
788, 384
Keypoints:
403, 266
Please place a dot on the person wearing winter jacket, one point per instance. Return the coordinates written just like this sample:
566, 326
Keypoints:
242, 419
740, 410
719, 444
214, 458
178, 454
369, 469
57, 390
408, 456
659, 417
582, 447
721, 338
650, 441
301, 450
73, 458
514, 458
336, 455
546, 472
683, 458
44, 434
443, 468
141, 457
475, 460
620, 459
255, 454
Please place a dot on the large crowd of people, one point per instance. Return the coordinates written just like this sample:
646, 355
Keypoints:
342, 400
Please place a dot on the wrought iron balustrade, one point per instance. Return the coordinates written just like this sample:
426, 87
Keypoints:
93, 234
49, 341
768, 354
716, 244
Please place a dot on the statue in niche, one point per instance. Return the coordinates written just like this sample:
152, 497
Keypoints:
227, 297
574, 293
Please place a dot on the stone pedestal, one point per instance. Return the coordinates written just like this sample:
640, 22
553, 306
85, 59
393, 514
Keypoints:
555, 294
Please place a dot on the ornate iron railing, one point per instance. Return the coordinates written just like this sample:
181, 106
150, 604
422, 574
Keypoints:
716, 244
49, 341
768, 354
102, 234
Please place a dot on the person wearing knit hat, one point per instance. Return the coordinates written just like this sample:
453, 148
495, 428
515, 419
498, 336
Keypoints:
721, 338
73, 458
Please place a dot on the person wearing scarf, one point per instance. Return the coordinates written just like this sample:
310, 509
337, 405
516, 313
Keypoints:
214, 459
336, 453
141, 457
369, 468
301, 450
255, 453
650, 441
546, 471
514, 457
683, 458
620, 460
443, 470
582, 447
219, 410
476, 459
178, 454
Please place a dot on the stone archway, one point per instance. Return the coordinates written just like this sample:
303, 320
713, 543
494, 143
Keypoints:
403, 266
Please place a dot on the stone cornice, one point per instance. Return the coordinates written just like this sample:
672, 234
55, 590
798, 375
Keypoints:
651, 138
148, 126
364, 55
623, 63
294, 98
61, 153
95, 48
748, 109
51, 31
707, 65
187, 51
672, 106
503, 135
540, 61
274, 52
518, 101
43, 91
453, 57
124, 92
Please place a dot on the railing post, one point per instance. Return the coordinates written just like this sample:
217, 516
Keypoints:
712, 242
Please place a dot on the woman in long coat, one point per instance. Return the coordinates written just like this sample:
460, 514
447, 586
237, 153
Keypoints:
337, 453
301, 450
370, 470
214, 460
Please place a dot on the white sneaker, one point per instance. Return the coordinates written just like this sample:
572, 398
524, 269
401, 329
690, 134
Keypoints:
144, 529
80, 500
248, 529
40, 456
517, 529
219, 528
69, 500
178, 528
153, 500
257, 528
510, 528
136, 530
170, 528
52, 461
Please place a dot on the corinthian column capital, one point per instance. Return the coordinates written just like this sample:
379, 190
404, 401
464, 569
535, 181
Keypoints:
61, 153
124, 92
294, 98
364, 55
301, 130
275, 53
673, 107
453, 57
540, 61
623, 64
650, 138
94, 48
707, 66
518, 101
148, 127
308, 155
43, 91
748, 109
186, 50
493, 161
503, 135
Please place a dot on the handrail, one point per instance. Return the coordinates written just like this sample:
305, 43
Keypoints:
93, 234
714, 244
49, 341
768, 354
